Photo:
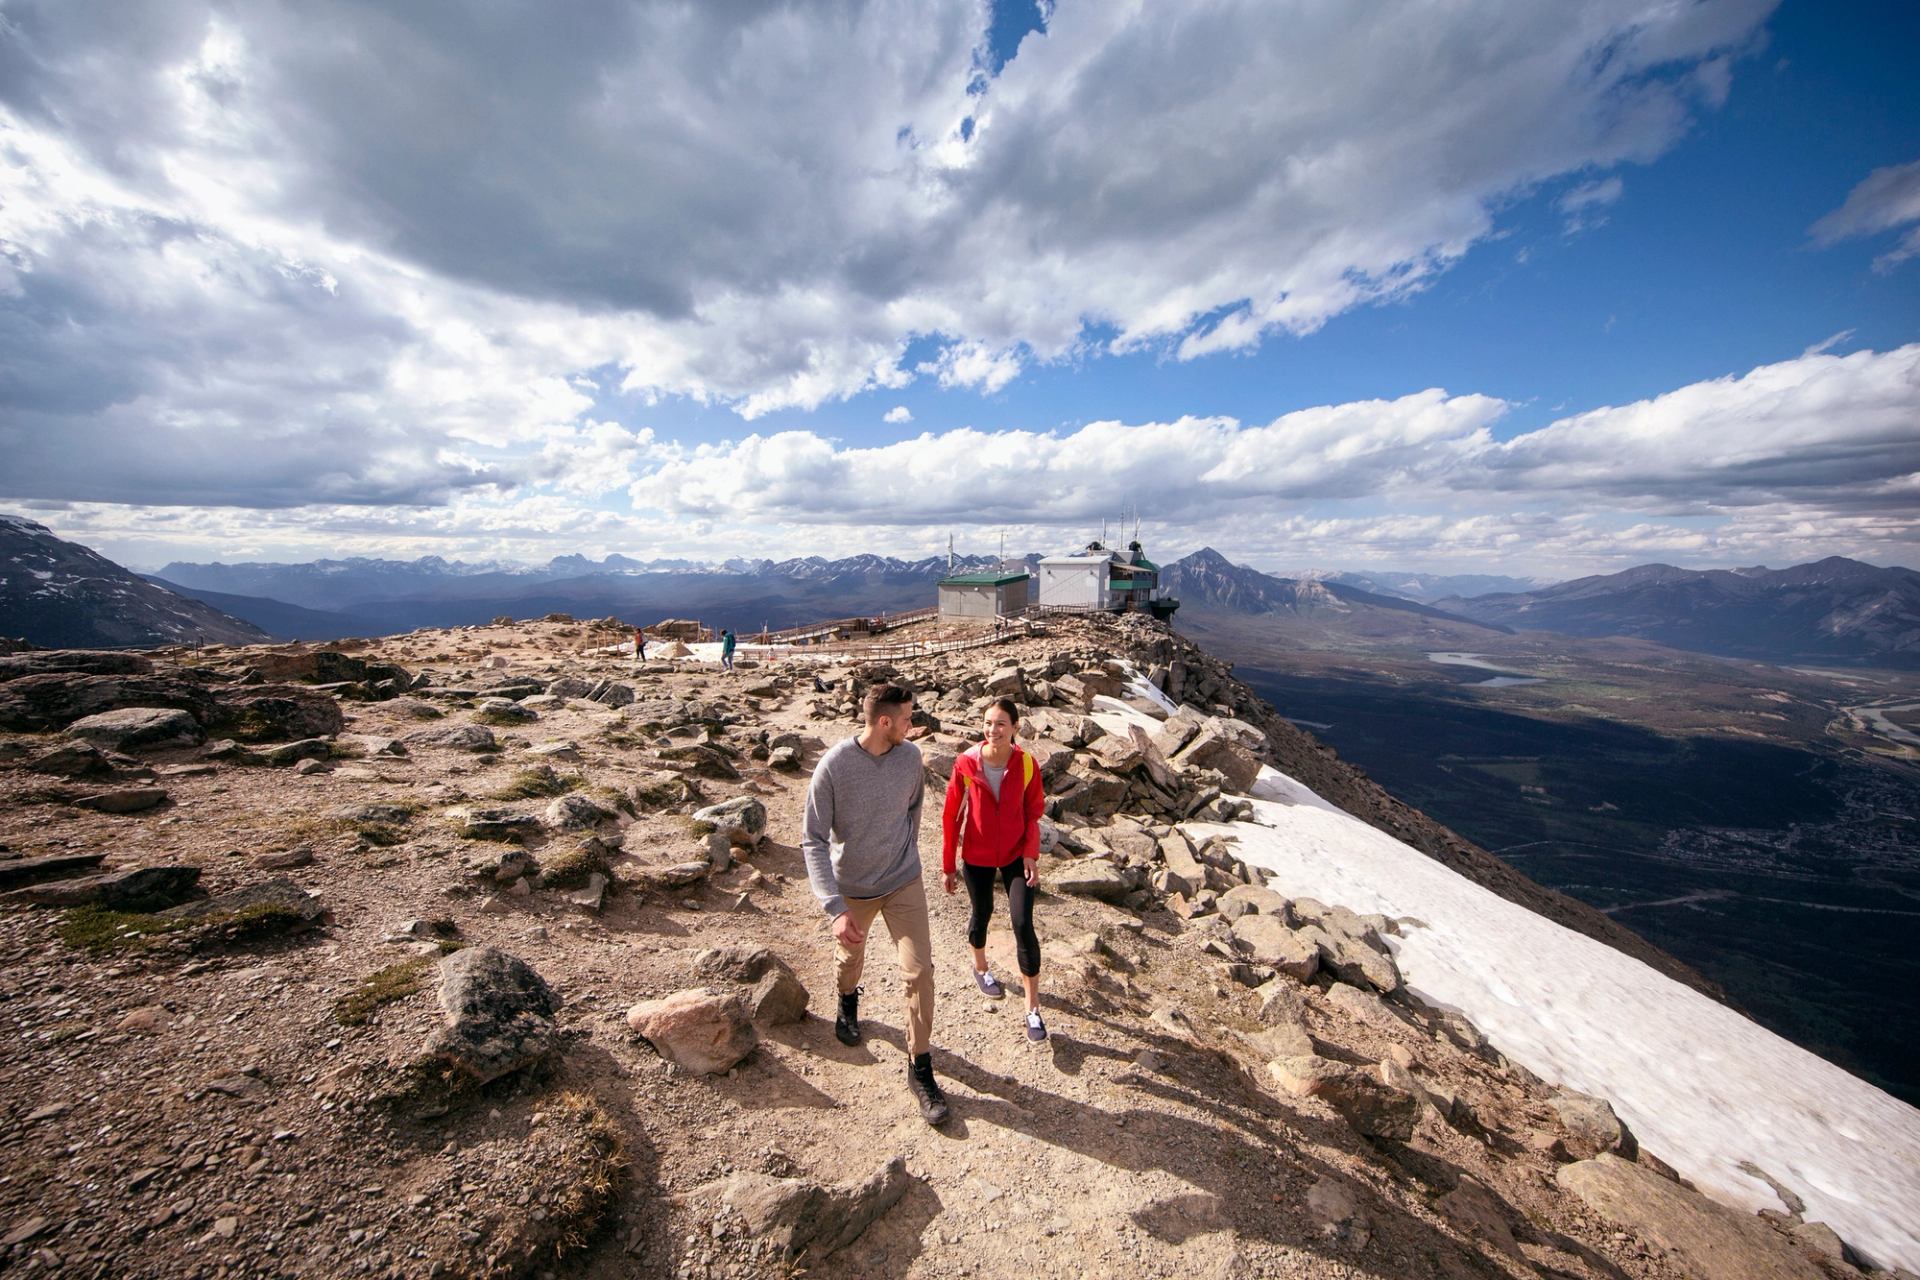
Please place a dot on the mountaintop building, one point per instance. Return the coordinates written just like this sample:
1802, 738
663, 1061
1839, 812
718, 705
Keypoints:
988, 593
1099, 579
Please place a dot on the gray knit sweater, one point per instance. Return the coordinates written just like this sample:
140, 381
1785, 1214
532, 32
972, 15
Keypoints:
862, 833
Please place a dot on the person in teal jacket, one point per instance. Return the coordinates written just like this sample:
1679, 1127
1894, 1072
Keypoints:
726, 649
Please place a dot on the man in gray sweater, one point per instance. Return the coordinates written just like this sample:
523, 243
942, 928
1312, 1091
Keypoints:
862, 847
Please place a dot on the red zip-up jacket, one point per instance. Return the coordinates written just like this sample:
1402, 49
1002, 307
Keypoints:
997, 831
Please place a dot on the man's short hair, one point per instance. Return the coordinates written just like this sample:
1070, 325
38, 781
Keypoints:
884, 700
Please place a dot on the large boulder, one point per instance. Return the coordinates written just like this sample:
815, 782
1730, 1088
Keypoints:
73, 760
131, 727
1177, 730
1253, 899
704, 1030
700, 760
499, 1017
802, 1219
1591, 1125
126, 889
576, 812
1372, 1104
17, 871
123, 800
1091, 879
1007, 682
1266, 940
275, 904
1702, 1239
774, 992
92, 662
456, 737
743, 819
317, 666
1217, 748
53, 700
275, 713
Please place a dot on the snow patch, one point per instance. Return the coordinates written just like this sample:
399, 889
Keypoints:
1702, 1087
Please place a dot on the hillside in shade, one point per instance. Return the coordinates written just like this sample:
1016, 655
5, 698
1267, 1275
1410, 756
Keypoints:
59, 594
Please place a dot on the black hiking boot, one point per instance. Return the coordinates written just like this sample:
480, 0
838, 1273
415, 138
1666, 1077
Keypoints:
846, 1025
926, 1090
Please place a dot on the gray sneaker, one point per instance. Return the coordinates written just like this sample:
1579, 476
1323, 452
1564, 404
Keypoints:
989, 985
1036, 1029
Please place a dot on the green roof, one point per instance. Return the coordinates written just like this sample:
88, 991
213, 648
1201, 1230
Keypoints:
983, 579
1128, 584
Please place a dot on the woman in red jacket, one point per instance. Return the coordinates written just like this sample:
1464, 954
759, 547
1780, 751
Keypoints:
992, 817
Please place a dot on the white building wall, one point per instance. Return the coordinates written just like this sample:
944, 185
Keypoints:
1077, 583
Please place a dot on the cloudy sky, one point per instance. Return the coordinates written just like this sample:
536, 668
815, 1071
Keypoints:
1492, 285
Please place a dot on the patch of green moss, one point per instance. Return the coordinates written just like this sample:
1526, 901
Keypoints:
498, 718
571, 868
99, 931
615, 798
541, 780
381, 987
658, 795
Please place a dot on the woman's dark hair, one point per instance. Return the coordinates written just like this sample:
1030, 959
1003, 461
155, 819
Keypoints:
1007, 705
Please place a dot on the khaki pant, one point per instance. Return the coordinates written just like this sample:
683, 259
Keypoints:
905, 911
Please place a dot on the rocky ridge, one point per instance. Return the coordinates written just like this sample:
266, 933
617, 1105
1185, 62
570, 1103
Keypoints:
478, 952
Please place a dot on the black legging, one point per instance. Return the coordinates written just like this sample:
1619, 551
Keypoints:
1019, 906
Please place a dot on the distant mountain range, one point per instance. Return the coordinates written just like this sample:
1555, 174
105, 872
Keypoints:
1832, 609
1208, 580
1424, 587
374, 597
59, 594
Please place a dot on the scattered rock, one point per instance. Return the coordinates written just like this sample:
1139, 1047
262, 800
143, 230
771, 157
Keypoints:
1337, 1210
286, 860
457, 737
742, 819
147, 1020
1091, 879
286, 753
499, 824
274, 713
129, 889
499, 1017
1479, 1212
805, 1220
139, 726
775, 993
1245, 899
676, 876
703, 1031
594, 892
1592, 1127
1266, 940
272, 906
74, 760
503, 710
1703, 1239
18, 871
124, 800
575, 812
701, 761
